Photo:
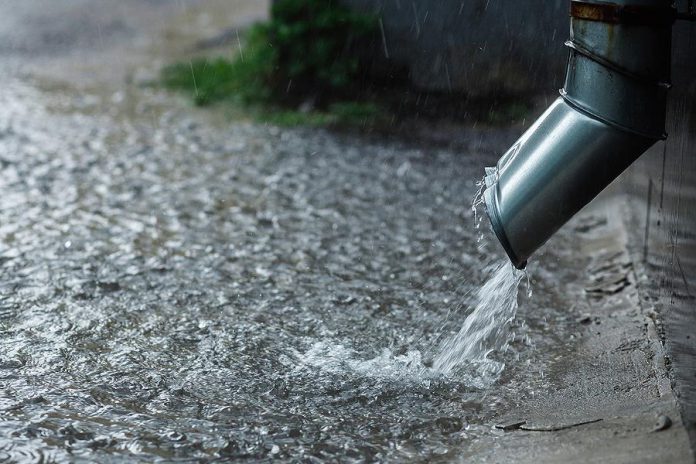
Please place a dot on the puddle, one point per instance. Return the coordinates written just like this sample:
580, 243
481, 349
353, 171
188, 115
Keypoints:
180, 289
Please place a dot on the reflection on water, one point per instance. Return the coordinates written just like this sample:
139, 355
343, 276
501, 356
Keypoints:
171, 289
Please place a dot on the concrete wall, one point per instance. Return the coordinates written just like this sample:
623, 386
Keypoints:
663, 183
476, 46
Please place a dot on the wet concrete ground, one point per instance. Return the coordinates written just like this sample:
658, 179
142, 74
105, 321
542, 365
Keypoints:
177, 286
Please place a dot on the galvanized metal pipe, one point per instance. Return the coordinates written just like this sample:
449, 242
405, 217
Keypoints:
612, 108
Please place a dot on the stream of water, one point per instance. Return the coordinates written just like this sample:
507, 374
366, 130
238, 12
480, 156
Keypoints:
484, 332
471, 353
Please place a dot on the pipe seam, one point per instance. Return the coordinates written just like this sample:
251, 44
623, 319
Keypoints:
584, 50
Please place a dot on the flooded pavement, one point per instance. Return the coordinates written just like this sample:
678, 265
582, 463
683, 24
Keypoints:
171, 289
179, 287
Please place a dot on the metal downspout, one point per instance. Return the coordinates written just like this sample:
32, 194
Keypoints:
612, 109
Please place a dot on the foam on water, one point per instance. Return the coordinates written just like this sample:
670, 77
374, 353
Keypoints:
336, 358
468, 355
484, 331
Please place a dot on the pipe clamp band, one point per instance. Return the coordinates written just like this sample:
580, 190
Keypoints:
638, 15
584, 50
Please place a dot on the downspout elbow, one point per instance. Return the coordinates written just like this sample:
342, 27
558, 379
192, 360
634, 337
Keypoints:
611, 110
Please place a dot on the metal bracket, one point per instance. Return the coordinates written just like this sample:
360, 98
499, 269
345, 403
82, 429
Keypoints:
583, 49
613, 13
630, 14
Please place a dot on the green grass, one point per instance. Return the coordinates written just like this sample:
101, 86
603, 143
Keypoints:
245, 83
243, 80
307, 51
221, 81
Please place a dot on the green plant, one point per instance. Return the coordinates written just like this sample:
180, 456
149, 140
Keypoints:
315, 42
306, 50
355, 113
244, 80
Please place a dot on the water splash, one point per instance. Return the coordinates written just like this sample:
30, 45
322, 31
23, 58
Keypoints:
484, 332
337, 359
477, 203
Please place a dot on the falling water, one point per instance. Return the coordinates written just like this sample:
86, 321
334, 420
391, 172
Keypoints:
476, 204
484, 331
